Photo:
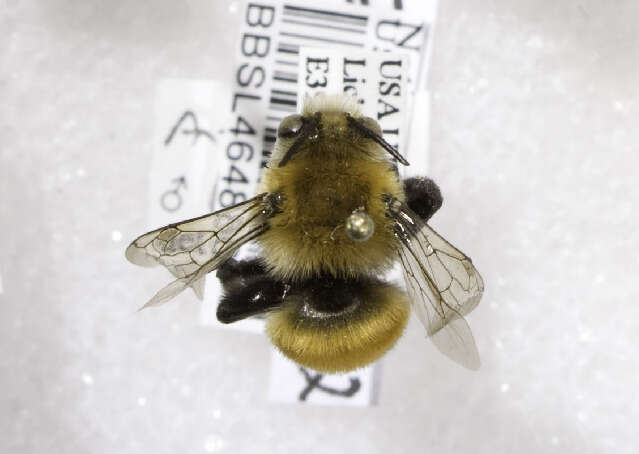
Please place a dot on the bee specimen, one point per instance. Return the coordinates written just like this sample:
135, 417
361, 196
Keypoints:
332, 217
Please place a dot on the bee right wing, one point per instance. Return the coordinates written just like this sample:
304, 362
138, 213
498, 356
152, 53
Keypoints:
193, 248
442, 283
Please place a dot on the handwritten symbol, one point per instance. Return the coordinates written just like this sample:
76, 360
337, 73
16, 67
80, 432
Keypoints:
314, 382
196, 131
171, 200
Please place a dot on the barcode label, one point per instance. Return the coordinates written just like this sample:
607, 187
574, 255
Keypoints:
267, 68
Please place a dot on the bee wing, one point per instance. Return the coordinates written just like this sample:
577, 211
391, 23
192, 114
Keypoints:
442, 283
193, 248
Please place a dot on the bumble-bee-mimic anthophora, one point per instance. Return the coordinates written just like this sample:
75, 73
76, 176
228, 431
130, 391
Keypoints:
332, 217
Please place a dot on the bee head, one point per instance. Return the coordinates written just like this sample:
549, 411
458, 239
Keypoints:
330, 118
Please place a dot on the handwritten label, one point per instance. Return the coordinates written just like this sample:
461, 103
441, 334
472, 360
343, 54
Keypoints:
291, 383
186, 149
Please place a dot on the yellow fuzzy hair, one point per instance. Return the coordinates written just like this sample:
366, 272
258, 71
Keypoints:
322, 102
349, 342
329, 178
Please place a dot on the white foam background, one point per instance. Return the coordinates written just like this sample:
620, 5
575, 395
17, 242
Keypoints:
534, 141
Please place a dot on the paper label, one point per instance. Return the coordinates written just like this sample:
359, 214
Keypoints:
295, 384
186, 149
376, 79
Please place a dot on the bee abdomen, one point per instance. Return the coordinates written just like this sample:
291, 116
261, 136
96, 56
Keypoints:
337, 325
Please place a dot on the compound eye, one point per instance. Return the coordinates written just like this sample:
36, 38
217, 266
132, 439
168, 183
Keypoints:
290, 126
371, 125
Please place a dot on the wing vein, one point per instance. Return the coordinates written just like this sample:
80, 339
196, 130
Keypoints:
195, 247
442, 290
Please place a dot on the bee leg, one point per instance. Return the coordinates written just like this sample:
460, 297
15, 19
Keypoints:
236, 270
250, 295
422, 196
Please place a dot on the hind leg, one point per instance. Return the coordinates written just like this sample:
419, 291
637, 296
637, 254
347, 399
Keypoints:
248, 290
422, 196
233, 270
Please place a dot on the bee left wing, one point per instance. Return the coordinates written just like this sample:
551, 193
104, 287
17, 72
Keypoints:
193, 248
442, 283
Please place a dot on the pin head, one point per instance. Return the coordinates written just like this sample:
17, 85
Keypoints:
359, 226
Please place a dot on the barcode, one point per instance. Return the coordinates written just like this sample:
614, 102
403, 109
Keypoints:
302, 26
274, 31
325, 15
283, 100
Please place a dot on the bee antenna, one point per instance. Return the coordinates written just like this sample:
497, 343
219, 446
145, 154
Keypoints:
309, 127
378, 139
